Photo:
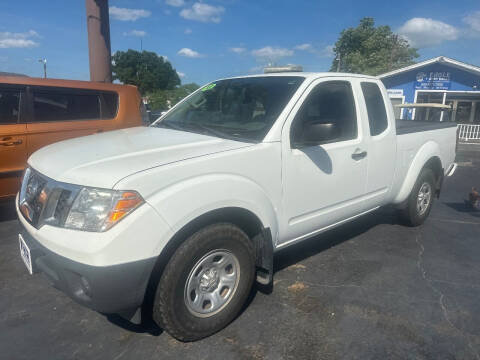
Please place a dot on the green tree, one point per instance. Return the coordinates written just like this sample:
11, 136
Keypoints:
147, 70
371, 50
165, 99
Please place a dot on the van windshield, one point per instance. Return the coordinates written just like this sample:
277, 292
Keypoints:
241, 109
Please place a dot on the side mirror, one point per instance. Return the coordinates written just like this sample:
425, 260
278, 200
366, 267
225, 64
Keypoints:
318, 133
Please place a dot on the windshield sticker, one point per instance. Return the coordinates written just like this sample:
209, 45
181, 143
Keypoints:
209, 87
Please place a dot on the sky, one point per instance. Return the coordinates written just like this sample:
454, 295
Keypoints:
211, 39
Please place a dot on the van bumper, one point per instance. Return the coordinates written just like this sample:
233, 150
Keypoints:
107, 289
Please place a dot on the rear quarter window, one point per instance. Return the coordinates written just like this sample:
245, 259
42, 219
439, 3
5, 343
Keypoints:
108, 104
377, 114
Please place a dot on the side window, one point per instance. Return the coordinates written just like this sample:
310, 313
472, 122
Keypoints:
330, 102
377, 115
9, 106
108, 105
61, 104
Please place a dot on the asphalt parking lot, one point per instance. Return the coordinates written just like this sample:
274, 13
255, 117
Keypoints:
371, 290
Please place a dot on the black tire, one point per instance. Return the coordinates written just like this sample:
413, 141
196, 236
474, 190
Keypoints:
170, 309
411, 215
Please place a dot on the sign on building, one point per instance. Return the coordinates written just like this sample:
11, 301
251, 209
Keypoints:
433, 81
395, 92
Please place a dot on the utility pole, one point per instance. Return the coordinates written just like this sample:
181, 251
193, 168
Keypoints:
99, 51
339, 61
44, 62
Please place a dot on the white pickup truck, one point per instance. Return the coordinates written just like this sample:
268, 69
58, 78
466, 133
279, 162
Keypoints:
179, 218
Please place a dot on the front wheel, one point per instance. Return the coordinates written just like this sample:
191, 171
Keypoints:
205, 283
420, 200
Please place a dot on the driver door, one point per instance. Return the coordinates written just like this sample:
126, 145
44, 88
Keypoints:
325, 183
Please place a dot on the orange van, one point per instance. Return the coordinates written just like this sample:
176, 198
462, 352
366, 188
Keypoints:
36, 112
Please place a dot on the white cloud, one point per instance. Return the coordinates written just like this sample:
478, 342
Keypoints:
189, 53
124, 14
256, 69
137, 33
176, 3
203, 12
423, 32
18, 40
270, 53
188, 31
304, 47
473, 21
327, 51
181, 74
238, 50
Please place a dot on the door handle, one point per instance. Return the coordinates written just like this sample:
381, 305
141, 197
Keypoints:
359, 154
8, 141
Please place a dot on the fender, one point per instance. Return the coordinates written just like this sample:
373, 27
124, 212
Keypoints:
428, 151
206, 193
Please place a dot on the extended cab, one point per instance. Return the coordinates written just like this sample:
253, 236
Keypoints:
181, 217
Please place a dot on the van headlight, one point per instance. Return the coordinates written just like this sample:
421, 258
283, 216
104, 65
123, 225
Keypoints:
99, 209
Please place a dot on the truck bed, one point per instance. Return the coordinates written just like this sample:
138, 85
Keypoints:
412, 126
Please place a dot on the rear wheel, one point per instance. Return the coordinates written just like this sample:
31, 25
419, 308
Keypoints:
205, 283
421, 199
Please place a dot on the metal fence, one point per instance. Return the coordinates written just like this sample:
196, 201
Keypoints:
468, 132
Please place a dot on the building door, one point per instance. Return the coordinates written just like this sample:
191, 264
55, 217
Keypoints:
464, 109
476, 117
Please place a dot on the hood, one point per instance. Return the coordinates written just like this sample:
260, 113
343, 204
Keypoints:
101, 160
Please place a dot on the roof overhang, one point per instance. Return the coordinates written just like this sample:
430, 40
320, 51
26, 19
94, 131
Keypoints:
438, 60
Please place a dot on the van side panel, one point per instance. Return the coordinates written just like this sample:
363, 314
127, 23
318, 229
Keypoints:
31, 134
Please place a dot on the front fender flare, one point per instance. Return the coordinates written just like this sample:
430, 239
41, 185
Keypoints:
184, 201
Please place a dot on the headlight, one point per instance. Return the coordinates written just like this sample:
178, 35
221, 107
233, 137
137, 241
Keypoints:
100, 209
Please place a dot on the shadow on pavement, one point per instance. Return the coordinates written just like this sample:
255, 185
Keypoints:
463, 208
148, 326
7, 210
331, 238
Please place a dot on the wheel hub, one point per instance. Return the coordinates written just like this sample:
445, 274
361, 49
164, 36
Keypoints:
424, 198
212, 283
209, 280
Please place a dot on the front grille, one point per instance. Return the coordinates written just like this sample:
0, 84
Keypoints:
44, 200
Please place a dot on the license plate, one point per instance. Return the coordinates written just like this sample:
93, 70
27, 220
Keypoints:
25, 254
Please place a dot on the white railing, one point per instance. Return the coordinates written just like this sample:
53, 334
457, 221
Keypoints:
468, 132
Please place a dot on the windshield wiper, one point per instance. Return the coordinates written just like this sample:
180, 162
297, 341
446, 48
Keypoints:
205, 130
170, 125
208, 130
220, 134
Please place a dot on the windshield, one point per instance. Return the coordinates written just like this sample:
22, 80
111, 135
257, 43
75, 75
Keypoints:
242, 109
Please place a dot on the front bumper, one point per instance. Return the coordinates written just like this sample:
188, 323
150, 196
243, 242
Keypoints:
108, 289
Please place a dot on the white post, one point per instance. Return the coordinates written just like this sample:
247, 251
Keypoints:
472, 111
443, 102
